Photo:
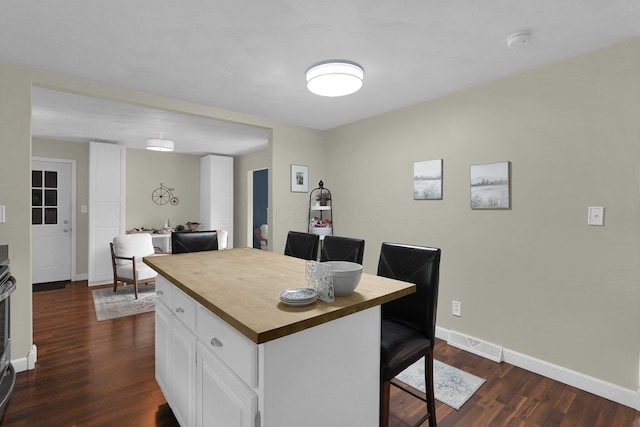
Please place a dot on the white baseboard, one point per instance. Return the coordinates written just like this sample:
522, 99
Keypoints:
28, 362
79, 277
607, 390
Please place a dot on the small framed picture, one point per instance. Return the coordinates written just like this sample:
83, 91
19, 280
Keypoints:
427, 180
299, 179
490, 186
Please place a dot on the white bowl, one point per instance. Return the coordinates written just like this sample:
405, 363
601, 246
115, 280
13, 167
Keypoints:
346, 276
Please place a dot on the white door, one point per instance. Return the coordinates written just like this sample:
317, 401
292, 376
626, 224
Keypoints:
51, 221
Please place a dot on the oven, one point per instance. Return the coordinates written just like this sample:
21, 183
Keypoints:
7, 372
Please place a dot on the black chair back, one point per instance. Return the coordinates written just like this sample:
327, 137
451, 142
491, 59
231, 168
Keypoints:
336, 248
193, 241
420, 266
302, 245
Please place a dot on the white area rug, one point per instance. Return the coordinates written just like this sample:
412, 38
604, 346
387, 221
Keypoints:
452, 386
110, 305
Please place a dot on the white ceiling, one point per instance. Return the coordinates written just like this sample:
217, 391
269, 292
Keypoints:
250, 56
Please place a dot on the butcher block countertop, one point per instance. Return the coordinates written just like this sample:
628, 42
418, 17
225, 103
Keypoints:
242, 286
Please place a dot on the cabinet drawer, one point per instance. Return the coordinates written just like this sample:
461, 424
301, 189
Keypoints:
236, 351
163, 290
184, 308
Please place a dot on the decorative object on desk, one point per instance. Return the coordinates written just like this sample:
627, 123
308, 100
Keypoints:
299, 179
320, 211
180, 227
490, 188
298, 296
111, 305
163, 195
427, 180
346, 276
193, 226
321, 227
319, 278
453, 387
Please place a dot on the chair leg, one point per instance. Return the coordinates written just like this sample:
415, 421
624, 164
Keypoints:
385, 389
115, 284
135, 289
428, 380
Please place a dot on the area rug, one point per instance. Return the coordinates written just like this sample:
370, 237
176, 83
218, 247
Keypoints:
111, 305
452, 386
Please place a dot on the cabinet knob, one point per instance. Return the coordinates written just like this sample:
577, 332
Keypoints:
179, 310
216, 342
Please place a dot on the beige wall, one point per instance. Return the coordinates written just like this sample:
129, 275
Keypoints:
535, 279
146, 170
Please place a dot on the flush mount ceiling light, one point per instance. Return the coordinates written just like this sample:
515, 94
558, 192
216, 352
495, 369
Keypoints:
159, 144
335, 78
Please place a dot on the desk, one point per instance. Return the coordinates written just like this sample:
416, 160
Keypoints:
162, 241
316, 365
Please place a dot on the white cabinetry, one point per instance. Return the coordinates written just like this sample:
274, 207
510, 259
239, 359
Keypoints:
223, 398
176, 350
216, 194
217, 377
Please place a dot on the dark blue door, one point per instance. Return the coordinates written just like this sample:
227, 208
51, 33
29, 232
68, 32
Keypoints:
260, 201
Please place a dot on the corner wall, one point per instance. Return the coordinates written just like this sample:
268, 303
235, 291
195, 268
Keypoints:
535, 279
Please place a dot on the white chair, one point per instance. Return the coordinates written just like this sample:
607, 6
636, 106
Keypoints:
127, 251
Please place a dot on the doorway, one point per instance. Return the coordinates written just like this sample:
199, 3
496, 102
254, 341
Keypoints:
52, 219
260, 202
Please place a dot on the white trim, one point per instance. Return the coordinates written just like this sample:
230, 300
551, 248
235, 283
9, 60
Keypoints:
73, 190
28, 362
80, 277
607, 390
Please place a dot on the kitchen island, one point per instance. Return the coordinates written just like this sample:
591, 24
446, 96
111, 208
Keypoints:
229, 353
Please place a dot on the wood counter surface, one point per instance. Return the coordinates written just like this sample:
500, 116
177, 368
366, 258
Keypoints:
242, 286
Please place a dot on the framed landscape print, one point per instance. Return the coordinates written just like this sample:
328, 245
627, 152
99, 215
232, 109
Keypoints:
299, 179
490, 186
427, 180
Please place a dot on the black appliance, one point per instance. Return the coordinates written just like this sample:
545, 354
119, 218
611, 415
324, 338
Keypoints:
7, 372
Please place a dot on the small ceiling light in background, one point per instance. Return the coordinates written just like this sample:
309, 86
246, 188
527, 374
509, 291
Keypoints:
160, 144
335, 78
518, 39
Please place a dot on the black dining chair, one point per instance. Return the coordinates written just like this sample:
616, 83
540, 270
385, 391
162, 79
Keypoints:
193, 241
409, 323
302, 245
336, 248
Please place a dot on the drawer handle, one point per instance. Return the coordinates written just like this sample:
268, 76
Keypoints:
216, 342
159, 292
179, 310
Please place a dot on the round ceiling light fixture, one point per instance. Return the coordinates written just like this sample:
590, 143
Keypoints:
335, 78
160, 144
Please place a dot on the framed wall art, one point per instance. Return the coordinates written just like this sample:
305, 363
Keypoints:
491, 186
427, 180
299, 179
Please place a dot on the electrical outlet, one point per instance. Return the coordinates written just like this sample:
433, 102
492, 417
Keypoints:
456, 308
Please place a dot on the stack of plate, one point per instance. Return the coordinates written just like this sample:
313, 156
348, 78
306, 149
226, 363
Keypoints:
298, 296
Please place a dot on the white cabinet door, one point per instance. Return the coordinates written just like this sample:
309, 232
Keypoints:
184, 374
224, 400
164, 349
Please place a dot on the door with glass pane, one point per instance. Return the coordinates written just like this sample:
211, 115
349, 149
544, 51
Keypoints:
50, 221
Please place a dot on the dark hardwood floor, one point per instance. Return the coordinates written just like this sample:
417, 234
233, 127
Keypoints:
93, 373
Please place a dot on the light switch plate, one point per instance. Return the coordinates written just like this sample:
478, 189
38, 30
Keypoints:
2, 218
596, 215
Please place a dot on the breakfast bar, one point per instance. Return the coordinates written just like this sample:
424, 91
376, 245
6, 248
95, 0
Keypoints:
230, 353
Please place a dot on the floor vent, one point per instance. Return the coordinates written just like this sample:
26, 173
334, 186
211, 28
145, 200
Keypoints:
476, 346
